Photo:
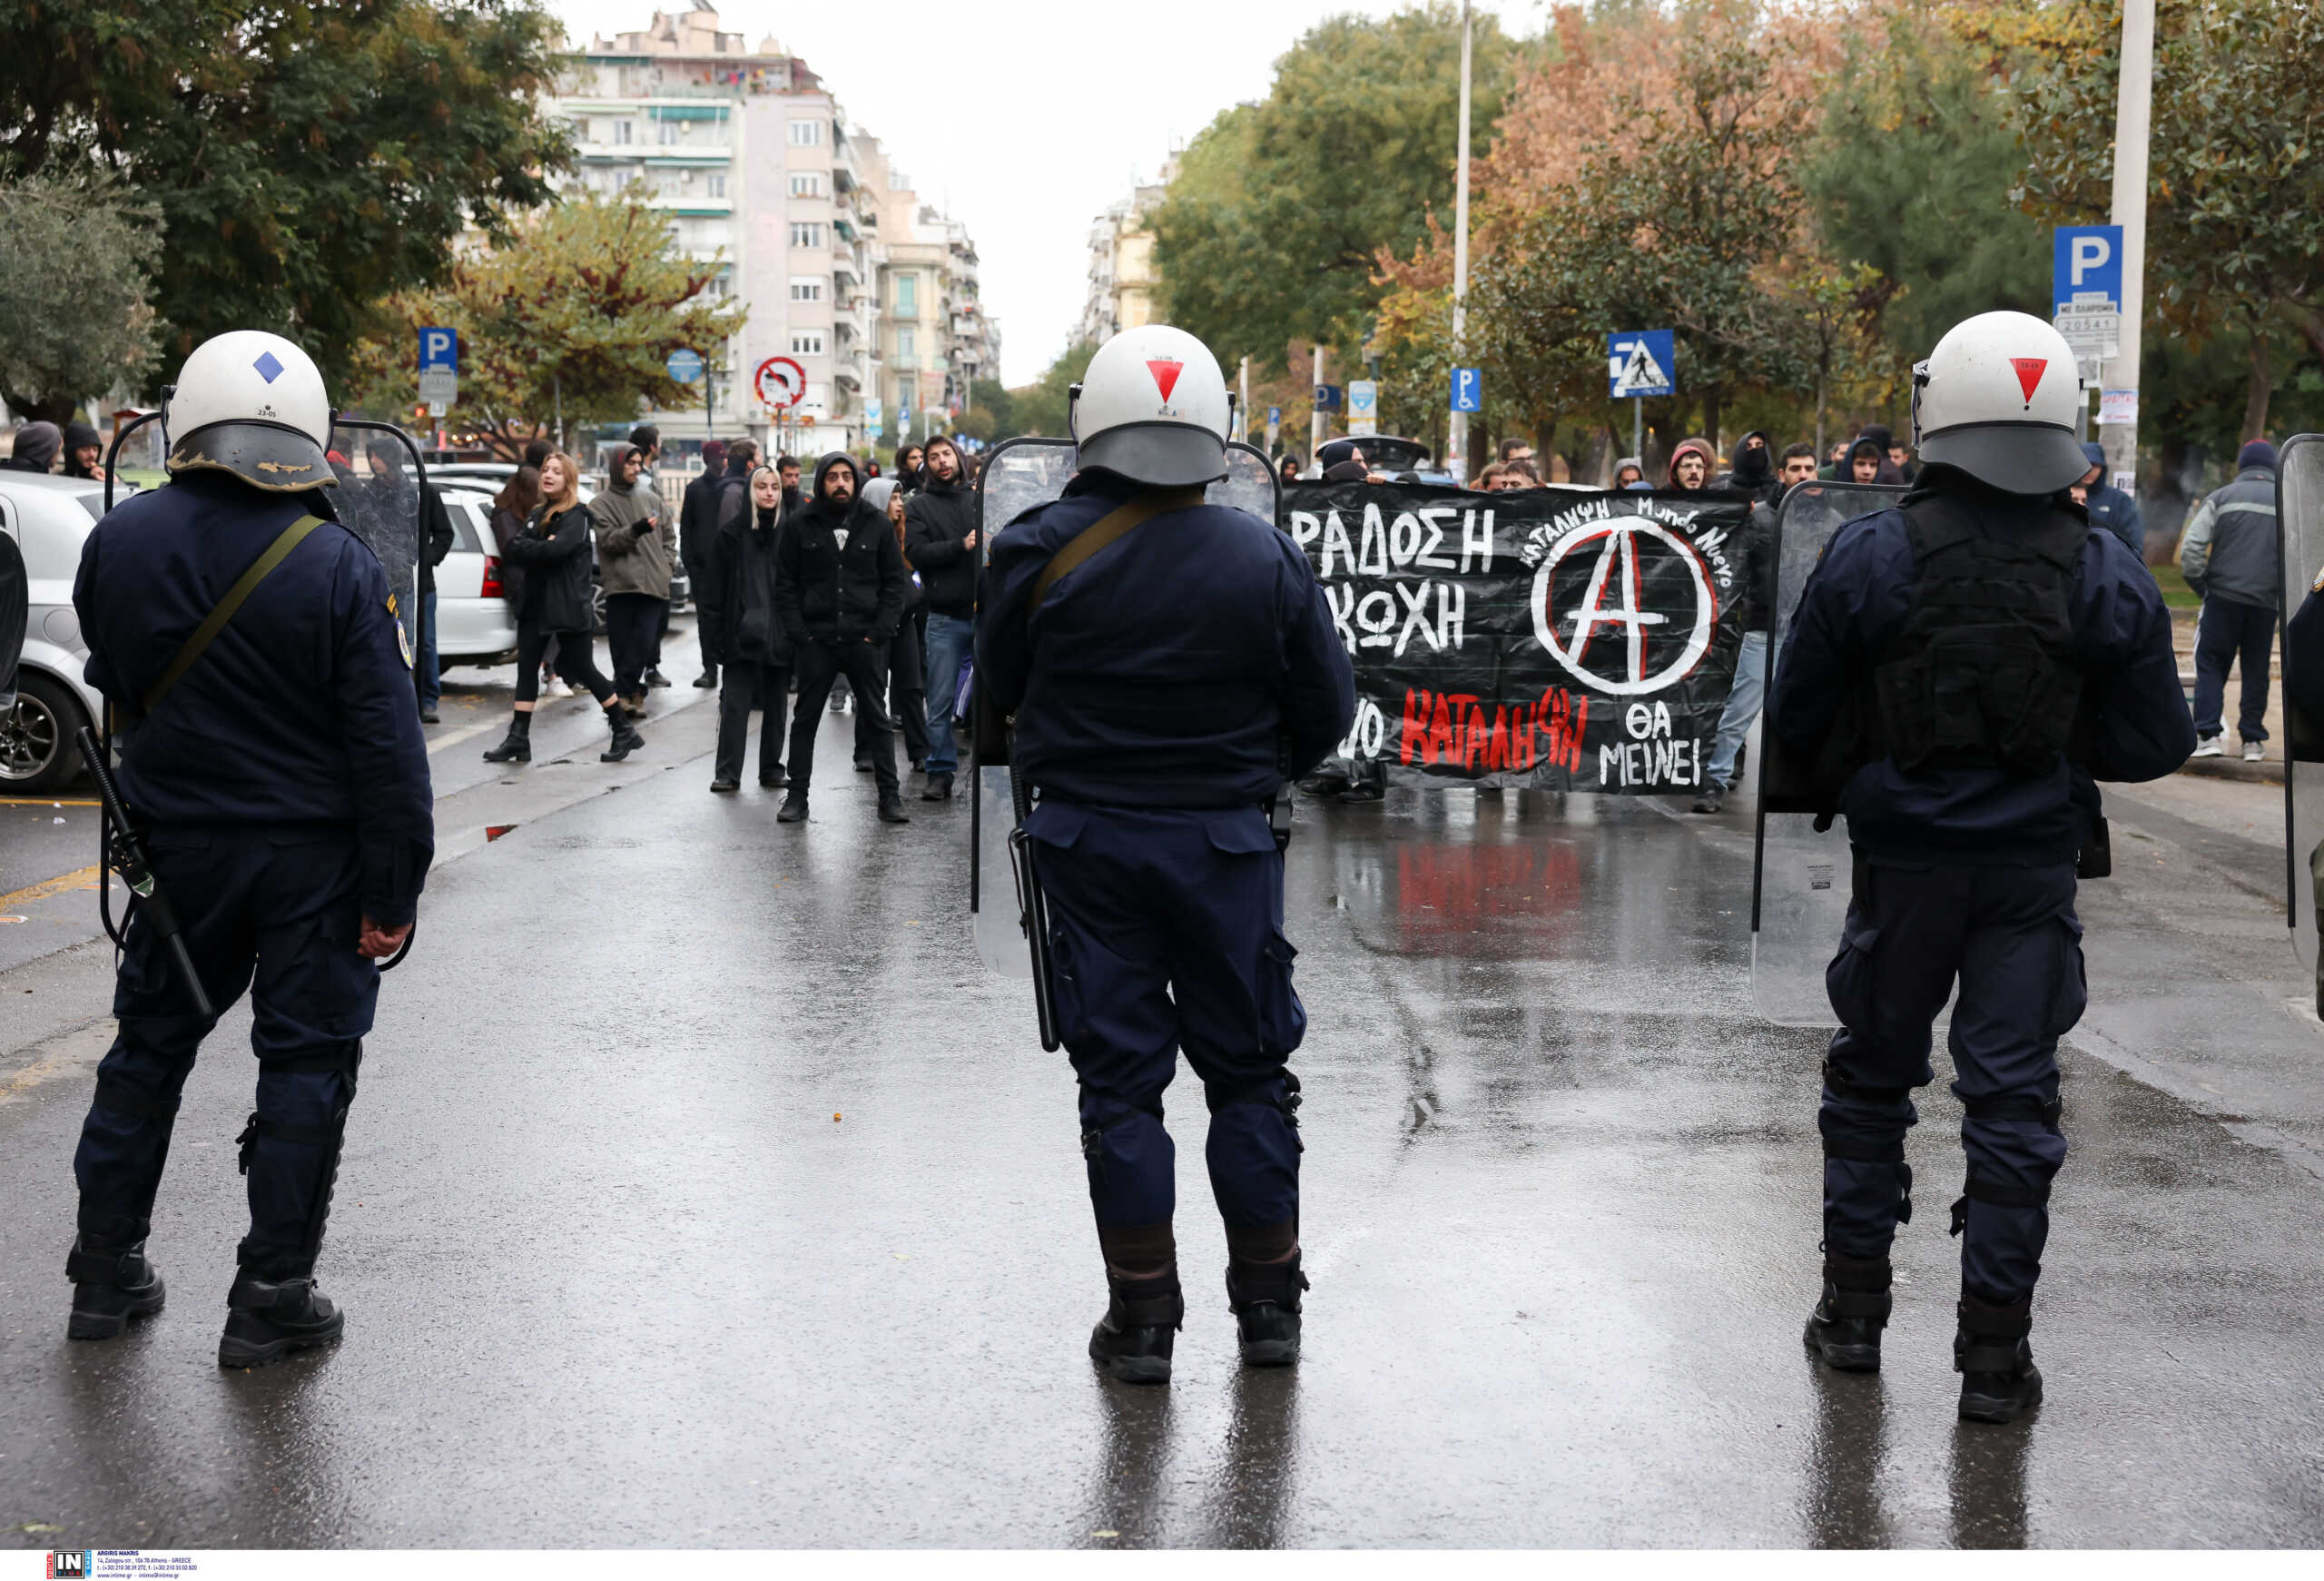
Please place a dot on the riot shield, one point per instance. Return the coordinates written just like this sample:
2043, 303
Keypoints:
2299, 516
1019, 475
1250, 484
382, 483
16, 607
1800, 879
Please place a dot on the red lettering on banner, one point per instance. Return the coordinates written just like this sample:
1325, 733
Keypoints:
1439, 734
1415, 714
1473, 749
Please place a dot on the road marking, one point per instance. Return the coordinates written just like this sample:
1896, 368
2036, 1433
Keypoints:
453, 737
43, 802
85, 879
61, 1055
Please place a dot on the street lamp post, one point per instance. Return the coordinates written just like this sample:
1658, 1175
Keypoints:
1456, 440
2134, 107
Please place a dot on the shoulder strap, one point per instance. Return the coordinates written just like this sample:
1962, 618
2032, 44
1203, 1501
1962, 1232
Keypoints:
244, 586
1116, 524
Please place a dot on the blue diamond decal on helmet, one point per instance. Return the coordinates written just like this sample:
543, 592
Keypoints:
268, 368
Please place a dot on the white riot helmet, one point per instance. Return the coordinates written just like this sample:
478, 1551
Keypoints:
252, 404
1998, 399
1153, 408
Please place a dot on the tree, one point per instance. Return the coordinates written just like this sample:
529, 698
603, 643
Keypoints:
579, 311
309, 157
2235, 199
78, 257
992, 414
1039, 408
1272, 229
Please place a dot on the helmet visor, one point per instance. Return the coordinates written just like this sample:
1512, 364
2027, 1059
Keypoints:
2019, 457
1168, 454
265, 455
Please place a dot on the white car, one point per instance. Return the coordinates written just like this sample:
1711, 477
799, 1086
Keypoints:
49, 516
473, 622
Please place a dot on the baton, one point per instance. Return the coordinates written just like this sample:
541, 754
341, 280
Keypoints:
123, 854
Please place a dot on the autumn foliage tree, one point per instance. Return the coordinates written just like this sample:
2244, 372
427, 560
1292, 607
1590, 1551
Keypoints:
577, 313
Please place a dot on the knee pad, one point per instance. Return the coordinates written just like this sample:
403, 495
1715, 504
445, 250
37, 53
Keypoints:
1278, 1091
1979, 1186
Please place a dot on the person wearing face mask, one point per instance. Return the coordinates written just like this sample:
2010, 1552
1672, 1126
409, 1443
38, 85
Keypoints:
1754, 472
758, 649
839, 583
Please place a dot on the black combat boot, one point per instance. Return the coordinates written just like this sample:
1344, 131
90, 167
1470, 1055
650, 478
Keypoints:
1132, 1342
708, 678
516, 746
794, 809
938, 789
1999, 1382
1844, 1328
109, 1289
267, 1319
891, 808
625, 740
1264, 1297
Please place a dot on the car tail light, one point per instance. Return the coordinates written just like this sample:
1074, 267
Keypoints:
491, 577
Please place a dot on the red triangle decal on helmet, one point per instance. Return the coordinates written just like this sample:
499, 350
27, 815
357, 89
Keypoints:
2029, 374
1166, 375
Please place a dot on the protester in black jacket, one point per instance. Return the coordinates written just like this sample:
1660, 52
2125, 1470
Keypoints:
554, 550
941, 541
840, 585
907, 676
758, 649
697, 539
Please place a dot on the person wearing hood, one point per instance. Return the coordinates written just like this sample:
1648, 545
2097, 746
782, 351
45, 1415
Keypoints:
1691, 465
84, 452
1754, 472
1629, 472
2230, 556
941, 541
758, 651
1867, 459
905, 660
697, 544
839, 583
2110, 507
635, 548
36, 447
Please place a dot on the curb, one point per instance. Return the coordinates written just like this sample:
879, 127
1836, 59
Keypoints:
2268, 771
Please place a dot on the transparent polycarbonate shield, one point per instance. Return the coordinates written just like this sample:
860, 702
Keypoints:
1018, 475
1250, 484
1800, 879
379, 499
15, 606
2300, 515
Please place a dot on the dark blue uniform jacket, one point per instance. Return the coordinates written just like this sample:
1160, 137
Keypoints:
1856, 601
302, 712
1165, 670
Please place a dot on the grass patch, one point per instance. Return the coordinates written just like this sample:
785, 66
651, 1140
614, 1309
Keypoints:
2175, 591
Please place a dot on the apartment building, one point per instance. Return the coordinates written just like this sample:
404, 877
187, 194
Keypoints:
1122, 278
754, 158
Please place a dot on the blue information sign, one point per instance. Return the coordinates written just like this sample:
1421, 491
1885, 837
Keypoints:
439, 351
1468, 389
1641, 363
684, 366
1327, 398
2086, 268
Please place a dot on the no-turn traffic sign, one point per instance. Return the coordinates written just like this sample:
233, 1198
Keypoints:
781, 382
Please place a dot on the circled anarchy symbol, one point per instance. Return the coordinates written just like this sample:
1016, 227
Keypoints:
1627, 546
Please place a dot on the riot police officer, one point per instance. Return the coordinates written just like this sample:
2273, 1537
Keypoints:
1169, 665
276, 768
1963, 668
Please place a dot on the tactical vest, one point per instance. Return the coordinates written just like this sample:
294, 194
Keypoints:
1981, 674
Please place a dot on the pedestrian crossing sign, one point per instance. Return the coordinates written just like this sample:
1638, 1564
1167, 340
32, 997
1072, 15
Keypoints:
1641, 363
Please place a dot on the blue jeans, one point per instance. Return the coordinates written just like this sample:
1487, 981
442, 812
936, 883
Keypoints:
2228, 632
1743, 702
950, 639
431, 678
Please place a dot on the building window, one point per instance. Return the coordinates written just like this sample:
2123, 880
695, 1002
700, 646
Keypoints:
907, 342
718, 186
624, 132
806, 233
806, 134
669, 130
807, 184
807, 343
806, 288
908, 295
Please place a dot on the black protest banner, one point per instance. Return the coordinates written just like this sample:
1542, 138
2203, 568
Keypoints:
1547, 640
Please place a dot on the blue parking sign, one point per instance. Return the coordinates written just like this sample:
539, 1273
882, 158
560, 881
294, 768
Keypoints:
439, 351
1468, 389
2086, 268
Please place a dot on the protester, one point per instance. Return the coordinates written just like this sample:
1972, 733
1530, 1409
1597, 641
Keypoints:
1900, 456
1867, 457
941, 543
1691, 465
758, 650
905, 658
1516, 450
84, 452
435, 542
1798, 467
697, 540
2229, 555
1753, 471
1290, 467
908, 474
840, 585
2110, 507
36, 447
1836, 464
554, 551
1629, 472
511, 507
1756, 590
538, 451
647, 440
788, 466
635, 544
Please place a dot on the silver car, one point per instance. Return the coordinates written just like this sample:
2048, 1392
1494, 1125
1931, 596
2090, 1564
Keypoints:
49, 517
474, 624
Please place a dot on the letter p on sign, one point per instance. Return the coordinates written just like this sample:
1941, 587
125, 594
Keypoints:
2090, 252
439, 351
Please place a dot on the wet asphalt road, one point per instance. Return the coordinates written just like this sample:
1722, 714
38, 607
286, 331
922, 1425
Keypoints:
703, 1190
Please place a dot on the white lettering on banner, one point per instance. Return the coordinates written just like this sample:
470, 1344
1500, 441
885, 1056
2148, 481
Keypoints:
1335, 538
1370, 619
1629, 544
1404, 539
1371, 557
1304, 528
1476, 539
1368, 734
1428, 556
1633, 764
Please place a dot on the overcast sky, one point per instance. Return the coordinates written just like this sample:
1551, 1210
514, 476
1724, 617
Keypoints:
1026, 118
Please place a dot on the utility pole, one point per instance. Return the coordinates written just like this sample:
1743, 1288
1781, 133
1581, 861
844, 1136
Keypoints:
1316, 413
1242, 403
1456, 442
2134, 107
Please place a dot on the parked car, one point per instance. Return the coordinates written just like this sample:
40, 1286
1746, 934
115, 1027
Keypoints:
49, 517
474, 624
